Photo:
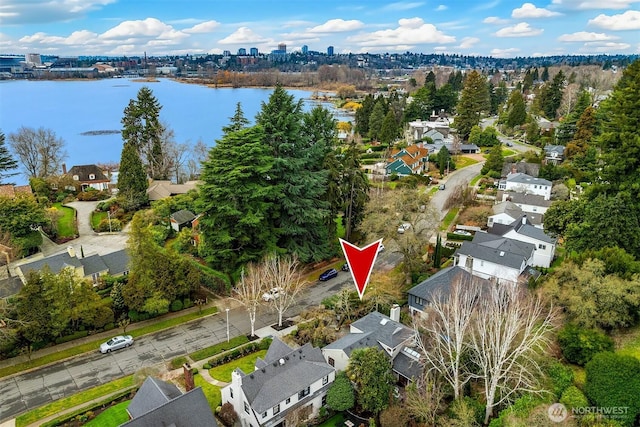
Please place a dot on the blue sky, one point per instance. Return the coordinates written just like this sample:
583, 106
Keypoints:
500, 28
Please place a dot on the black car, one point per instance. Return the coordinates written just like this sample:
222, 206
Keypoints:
329, 274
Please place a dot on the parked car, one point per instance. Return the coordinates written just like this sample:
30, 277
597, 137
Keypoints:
116, 343
441, 187
509, 144
380, 248
272, 294
404, 227
345, 267
329, 274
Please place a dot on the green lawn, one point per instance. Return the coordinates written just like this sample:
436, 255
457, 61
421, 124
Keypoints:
205, 353
448, 218
60, 405
93, 346
475, 180
113, 416
211, 392
336, 421
67, 222
463, 162
96, 217
246, 363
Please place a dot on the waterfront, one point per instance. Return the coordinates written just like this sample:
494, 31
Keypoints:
71, 108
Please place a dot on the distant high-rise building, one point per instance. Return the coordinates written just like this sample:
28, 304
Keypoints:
282, 47
226, 53
242, 51
33, 58
253, 51
330, 51
305, 49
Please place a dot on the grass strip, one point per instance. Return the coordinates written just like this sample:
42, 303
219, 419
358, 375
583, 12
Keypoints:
113, 416
66, 222
94, 345
211, 392
72, 401
205, 353
448, 218
96, 218
475, 180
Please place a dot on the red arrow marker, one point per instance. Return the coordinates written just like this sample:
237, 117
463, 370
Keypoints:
360, 262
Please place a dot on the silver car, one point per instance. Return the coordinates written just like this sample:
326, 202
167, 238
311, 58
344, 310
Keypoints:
116, 343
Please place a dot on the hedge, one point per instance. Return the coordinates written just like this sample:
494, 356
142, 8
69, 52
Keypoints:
218, 348
73, 336
454, 236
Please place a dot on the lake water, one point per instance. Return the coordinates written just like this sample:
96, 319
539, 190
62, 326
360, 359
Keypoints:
70, 108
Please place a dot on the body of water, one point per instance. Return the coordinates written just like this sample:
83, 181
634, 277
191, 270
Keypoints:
72, 108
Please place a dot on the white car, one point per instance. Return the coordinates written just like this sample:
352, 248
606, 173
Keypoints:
116, 343
272, 294
404, 227
380, 248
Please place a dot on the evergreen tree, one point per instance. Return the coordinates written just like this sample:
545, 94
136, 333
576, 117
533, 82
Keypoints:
444, 160
474, 100
583, 137
237, 200
132, 180
389, 129
430, 78
237, 122
142, 128
445, 98
568, 127
456, 80
551, 96
354, 190
533, 131
545, 74
375, 120
494, 162
421, 105
7, 163
517, 110
362, 115
301, 211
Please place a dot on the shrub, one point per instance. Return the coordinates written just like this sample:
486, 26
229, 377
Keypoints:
176, 305
73, 336
227, 414
580, 345
560, 376
187, 303
613, 380
109, 326
206, 366
265, 343
106, 225
178, 362
454, 236
574, 398
134, 316
394, 416
340, 395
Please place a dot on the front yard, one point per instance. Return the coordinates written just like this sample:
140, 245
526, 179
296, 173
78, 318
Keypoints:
246, 363
66, 224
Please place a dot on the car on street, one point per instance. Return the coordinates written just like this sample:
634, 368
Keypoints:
404, 227
441, 187
329, 274
380, 248
116, 343
509, 144
272, 294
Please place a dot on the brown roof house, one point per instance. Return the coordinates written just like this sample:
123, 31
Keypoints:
88, 176
162, 189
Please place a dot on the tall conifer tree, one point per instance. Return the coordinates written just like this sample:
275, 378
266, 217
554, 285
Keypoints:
7, 162
474, 100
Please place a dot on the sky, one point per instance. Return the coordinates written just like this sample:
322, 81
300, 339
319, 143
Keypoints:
498, 28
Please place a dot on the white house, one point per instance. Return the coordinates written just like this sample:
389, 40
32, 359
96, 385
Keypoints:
529, 203
286, 380
523, 183
507, 212
490, 256
524, 231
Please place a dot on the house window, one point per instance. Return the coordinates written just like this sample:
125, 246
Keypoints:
304, 393
325, 380
246, 407
231, 392
276, 409
76, 178
331, 362
288, 400
541, 246
92, 176
264, 414
469, 262
324, 400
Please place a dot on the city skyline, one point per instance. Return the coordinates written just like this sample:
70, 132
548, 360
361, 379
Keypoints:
499, 28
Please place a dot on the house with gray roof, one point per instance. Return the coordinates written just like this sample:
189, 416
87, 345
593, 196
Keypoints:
553, 154
508, 212
523, 230
181, 219
159, 403
523, 183
531, 169
379, 331
494, 257
286, 380
90, 267
439, 284
529, 203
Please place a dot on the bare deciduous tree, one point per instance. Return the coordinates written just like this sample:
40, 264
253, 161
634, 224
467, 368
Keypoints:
40, 151
250, 289
198, 154
425, 398
443, 334
283, 274
510, 329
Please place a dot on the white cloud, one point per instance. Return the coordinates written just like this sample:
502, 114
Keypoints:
441, 7
468, 42
337, 26
505, 53
595, 4
603, 47
495, 20
244, 35
584, 36
529, 10
629, 20
409, 33
203, 27
521, 29
403, 6
43, 11
487, 6
143, 29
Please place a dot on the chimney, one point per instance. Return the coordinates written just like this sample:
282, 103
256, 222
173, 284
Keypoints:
189, 383
64, 168
395, 313
524, 219
71, 251
513, 168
